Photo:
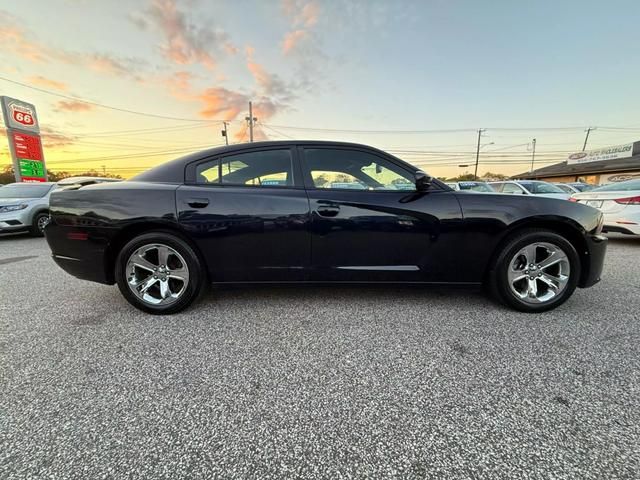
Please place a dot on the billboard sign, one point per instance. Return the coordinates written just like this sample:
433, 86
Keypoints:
608, 153
23, 133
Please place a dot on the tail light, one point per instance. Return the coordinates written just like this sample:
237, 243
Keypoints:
628, 200
573, 199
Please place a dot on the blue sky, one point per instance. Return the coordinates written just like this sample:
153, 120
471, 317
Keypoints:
346, 65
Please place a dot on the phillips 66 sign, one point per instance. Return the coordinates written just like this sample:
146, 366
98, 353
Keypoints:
23, 133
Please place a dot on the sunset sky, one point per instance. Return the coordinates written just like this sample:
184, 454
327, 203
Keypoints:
414, 78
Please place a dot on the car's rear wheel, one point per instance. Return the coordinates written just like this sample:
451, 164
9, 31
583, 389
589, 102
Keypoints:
159, 273
38, 223
535, 271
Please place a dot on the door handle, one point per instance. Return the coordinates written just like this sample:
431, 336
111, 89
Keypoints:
198, 202
328, 209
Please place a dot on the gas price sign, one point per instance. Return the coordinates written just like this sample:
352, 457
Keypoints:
23, 132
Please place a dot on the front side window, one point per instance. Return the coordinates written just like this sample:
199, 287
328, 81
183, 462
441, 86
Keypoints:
266, 168
355, 170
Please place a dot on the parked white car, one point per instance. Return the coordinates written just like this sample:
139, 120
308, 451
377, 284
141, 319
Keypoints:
482, 187
530, 187
620, 204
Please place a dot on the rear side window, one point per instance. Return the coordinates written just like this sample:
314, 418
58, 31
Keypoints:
266, 168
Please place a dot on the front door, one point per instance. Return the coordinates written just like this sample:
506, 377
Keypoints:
249, 214
368, 222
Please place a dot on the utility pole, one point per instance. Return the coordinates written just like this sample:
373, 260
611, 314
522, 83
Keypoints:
480, 130
104, 169
224, 133
588, 130
533, 155
251, 120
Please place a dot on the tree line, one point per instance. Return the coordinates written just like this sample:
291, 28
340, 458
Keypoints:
7, 175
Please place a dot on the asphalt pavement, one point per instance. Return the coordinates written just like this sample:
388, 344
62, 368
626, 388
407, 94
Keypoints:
316, 382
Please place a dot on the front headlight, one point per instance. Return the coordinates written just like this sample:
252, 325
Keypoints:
13, 208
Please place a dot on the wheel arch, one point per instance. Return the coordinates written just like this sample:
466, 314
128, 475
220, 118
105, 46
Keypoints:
563, 226
131, 231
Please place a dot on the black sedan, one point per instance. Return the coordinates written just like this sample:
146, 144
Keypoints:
317, 212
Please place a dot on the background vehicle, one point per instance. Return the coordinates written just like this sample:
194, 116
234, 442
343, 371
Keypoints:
483, 187
214, 216
620, 204
530, 187
82, 181
576, 187
25, 206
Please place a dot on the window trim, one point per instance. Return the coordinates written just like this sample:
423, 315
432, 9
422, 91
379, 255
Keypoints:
308, 179
190, 173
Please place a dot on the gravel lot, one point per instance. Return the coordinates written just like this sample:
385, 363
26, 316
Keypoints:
315, 383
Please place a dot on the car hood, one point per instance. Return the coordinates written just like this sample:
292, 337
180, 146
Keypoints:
13, 201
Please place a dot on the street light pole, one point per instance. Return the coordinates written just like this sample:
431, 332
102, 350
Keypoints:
533, 155
480, 130
588, 130
225, 133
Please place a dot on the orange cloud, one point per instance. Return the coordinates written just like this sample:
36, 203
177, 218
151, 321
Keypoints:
47, 83
292, 40
185, 43
26, 45
304, 16
268, 83
73, 106
220, 102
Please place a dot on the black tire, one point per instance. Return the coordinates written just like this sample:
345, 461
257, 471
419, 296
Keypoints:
38, 223
196, 272
499, 283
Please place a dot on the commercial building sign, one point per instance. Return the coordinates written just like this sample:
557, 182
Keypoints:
23, 133
608, 153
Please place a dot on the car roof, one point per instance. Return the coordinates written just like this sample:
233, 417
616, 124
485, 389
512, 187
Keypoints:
169, 171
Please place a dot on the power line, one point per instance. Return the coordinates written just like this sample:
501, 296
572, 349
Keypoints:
102, 105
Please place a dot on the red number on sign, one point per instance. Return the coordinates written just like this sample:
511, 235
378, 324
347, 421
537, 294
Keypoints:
23, 118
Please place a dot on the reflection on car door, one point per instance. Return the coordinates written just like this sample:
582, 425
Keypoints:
378, 228
249, 214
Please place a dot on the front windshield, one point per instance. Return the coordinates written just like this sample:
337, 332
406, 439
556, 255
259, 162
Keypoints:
475, 186
24, 190
619, 187
543, 187
582, 187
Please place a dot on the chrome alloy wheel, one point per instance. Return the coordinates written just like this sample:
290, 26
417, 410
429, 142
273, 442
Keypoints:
157, 274
539, 272
42, 222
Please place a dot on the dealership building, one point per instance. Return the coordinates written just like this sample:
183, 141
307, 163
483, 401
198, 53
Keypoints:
598, 167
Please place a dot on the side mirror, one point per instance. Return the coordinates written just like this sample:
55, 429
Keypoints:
423, 181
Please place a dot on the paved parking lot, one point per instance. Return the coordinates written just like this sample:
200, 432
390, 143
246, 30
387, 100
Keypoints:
315, 383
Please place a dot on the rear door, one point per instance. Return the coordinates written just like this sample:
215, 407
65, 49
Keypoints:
368, 222
249, 214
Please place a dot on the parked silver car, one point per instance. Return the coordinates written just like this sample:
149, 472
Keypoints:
25, 206
529, 187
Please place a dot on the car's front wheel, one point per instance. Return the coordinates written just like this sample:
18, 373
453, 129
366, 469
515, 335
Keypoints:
159, 273
38, 223
536, 271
